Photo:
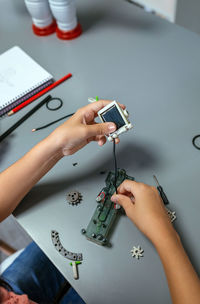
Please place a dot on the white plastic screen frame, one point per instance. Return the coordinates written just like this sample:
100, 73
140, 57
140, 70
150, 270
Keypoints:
124, 116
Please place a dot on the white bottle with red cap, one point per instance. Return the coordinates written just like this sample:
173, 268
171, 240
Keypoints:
64, 11
43, 22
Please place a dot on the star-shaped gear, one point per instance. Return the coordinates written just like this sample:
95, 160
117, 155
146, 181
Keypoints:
137, 252
171, 214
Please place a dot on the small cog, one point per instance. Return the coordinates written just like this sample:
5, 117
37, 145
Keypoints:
137, 252
171, 214
73, 197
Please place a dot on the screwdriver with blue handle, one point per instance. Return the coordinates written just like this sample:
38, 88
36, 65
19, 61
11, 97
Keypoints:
161, 191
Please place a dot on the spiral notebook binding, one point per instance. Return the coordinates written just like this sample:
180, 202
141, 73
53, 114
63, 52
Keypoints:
14, 102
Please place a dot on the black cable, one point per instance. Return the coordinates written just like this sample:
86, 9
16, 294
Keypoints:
53, 122
53, 109
115, 181
56, 108
194, 141
115, 161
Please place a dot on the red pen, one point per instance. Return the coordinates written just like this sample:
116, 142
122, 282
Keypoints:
25, 103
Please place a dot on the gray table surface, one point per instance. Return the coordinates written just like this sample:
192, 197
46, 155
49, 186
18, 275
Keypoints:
153, 67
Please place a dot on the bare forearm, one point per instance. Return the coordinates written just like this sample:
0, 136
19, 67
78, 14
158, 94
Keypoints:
147, 211
19, 178
183, 281
68, 138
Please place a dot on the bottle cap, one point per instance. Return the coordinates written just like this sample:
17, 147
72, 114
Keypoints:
68, 35
44, 31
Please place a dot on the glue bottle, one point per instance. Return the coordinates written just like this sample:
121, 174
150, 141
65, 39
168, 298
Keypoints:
43, 22
64, 11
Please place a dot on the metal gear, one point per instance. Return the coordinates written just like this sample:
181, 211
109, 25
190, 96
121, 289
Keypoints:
171, 214
73, 197
137, 252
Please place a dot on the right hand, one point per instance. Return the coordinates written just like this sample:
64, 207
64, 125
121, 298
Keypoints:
146, 210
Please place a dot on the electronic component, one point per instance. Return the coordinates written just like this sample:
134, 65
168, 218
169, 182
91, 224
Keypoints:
137, 252
106, 211
73, 197
67, 254
113, 113
161, 191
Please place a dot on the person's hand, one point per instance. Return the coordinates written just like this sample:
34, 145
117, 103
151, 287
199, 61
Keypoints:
81, 129
145, 208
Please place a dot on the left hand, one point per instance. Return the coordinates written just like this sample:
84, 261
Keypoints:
81, 129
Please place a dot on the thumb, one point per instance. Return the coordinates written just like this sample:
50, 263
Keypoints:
122, 200
101, 129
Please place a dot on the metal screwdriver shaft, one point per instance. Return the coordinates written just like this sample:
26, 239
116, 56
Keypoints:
161, 191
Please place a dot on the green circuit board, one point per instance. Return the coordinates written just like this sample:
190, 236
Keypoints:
106, 211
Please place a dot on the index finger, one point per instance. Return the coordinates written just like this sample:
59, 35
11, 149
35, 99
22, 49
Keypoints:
128, 186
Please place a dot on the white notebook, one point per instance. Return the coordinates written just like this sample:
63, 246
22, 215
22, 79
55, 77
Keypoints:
20, 78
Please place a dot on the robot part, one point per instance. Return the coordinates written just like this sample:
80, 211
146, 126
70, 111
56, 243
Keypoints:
137, 252
106, 211
91, 99
73, 197
113, 113
59, 247
171, 214
64, 11
75, 269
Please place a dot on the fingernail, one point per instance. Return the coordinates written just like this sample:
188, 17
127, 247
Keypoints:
111, 127
114, 199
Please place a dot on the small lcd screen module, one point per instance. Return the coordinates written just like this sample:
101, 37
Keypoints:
113, 115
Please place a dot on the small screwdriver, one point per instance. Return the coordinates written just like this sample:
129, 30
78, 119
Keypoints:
161, 191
